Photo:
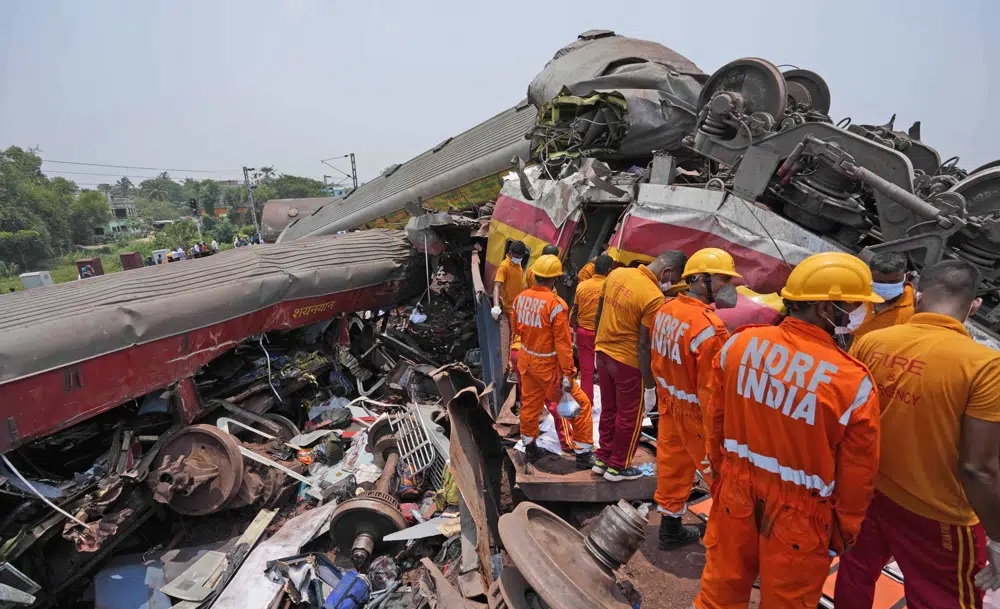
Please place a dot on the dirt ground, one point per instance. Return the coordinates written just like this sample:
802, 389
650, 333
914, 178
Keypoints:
668, 580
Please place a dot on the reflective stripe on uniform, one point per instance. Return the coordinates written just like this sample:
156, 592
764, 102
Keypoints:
864, 392
725, 350
677, 393
556, 310
530, 352
704, 335
770, 464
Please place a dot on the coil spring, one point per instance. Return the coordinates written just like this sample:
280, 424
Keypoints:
826, 180
714, 126
977, 255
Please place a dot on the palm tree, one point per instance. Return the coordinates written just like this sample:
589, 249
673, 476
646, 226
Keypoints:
124, 186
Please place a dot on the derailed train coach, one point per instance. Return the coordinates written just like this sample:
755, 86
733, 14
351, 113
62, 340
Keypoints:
750, 161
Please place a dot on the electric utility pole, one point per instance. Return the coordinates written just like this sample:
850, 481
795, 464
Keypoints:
354, 168
253, 208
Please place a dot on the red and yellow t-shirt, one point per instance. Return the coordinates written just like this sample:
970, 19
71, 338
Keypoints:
895, 314
588, 294
631, 298
511, 276
930, 374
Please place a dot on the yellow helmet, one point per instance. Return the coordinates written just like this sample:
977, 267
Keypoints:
830, 276
547, 267
711, 260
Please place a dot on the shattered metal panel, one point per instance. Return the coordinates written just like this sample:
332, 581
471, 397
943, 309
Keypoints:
476, 458
489, 339
482, 151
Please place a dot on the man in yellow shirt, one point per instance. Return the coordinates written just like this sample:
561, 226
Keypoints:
889, 282
939, 472
625, 312
588, 294
507, 284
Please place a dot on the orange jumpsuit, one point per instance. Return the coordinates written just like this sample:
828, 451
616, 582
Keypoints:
541, 319
685, 336
793, 434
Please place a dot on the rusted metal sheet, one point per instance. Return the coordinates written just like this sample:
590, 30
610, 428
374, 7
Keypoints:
476, 458
439, 592
558, 480
489, 337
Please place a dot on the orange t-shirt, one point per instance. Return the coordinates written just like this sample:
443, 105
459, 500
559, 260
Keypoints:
686, 335
588, 294
801, 413
930, 374
511, 276
587, 272
631, 298
897, 313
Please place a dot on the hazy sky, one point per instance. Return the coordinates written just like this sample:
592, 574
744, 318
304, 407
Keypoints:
217, 85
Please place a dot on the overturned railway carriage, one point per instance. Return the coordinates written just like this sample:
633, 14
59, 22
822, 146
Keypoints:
73, 350
765, 174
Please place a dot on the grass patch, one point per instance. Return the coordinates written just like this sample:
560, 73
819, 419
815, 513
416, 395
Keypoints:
64, 269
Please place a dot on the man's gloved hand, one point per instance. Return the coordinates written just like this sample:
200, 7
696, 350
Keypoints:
989, 577
649, 399
567, 383
495, 312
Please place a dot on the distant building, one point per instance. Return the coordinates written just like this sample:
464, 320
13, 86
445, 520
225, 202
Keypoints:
122, 209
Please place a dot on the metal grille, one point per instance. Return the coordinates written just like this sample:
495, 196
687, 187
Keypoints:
415, 449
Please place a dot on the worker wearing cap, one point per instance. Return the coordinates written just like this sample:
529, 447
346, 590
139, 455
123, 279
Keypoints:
545, 362
686, 336
588, 294
939, 470
793, 436
529, 275
889, 282
629, 301
507, 284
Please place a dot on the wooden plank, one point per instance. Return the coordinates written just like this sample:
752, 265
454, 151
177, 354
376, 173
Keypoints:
555, 478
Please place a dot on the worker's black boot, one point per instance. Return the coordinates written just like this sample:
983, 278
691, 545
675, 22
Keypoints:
673, 534
532, 453
585, 460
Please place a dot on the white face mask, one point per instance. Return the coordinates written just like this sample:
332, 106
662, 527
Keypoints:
515, 260
856, 318
665, 287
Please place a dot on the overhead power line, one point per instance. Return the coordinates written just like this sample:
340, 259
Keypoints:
142, 168
117, 175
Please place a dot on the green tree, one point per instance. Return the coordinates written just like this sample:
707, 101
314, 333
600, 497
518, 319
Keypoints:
182, 233
224, 230
153, 211
209, 192
123, 186
89, 211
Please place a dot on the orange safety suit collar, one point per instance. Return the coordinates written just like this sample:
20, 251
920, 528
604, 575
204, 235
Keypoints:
649, 275
939, 320
804, 327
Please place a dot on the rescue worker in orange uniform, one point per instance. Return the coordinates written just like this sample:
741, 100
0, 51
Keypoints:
545, 362
793, 436
588, 294
629, 301
507, 284
686, 336
529, 275
889, 282
939, 472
